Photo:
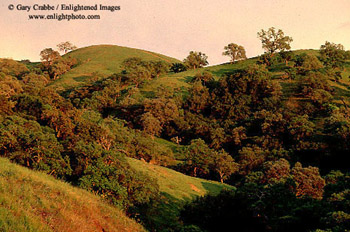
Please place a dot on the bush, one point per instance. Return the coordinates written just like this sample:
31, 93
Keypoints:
178, 67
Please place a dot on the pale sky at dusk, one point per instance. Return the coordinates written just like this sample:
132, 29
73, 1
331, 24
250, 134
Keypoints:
176, 27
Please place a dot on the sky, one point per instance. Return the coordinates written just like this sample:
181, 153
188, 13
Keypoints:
176, 27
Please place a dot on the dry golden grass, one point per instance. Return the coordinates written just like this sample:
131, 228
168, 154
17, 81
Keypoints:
32, 201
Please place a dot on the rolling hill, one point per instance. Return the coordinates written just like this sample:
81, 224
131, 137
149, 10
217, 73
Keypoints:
33, 201
102, 61
181, 81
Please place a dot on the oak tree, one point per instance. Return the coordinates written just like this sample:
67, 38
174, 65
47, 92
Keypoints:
66, 47
235, 52
274, 41
196, 60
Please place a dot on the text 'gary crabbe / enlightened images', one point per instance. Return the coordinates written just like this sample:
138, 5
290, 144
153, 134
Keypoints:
61, 11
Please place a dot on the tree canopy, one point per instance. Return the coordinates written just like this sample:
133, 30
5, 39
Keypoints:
274, 41
196, 60
235, 52
66, 47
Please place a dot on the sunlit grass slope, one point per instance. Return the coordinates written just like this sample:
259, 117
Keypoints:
176, 184
102, 61
32, 201
176, 190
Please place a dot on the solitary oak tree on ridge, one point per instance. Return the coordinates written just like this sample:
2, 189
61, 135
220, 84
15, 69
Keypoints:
235, 52
274, 41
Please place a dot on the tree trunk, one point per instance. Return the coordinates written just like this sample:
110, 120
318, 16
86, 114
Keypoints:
221, 177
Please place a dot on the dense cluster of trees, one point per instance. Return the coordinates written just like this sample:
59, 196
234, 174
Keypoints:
53, 64
42, 130
278, 148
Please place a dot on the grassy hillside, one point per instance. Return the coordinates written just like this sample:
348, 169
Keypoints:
32, 201
176, 184
102, 61
176, 189
180, 81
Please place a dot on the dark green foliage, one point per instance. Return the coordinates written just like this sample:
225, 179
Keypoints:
158, 68
110, 176
301, 131
256, 208
199, 156
101, 95
305, 63
268, 60
333, 55
48, 133
196, 60
315, 86
224, 165
178, 67
30, 105
138, 71
338, 127
35, 80
204, 78
150, 124
221, 212
287, 56
239, 95
199, 97
33, 146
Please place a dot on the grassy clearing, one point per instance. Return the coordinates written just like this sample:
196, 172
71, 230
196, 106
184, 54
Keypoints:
33, 201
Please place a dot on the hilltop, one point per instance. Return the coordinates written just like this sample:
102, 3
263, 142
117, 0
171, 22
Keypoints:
33, 201
102, 61
181, 81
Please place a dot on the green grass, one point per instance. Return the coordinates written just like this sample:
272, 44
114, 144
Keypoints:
180, 82
33, 201
102, 61
176, 184
175, 148
176, 190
